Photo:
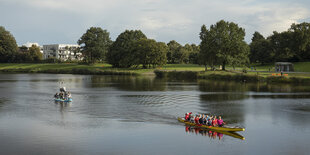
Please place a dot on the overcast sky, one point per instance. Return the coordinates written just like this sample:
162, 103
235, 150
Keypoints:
64, 21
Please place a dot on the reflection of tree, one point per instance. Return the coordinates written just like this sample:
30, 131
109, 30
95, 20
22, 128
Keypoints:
223, 97
2, 101
221, 86
225, 86
129, 83
231, 112
225, 102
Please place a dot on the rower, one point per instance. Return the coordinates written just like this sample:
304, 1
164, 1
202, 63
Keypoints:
201, 119
186, 116
220, 122
197, 119
56, 96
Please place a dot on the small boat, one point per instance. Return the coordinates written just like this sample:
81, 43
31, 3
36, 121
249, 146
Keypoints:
62, 100
211, 127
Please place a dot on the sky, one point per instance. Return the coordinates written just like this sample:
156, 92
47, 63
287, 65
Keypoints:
65, 21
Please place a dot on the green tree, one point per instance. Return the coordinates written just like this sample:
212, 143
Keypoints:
208, 49
35, 53
181, 55
300, 41
8, 46
260, 49
150, 53
281, 46
173, 51
193, 55
224, 43
121, 53
95, 44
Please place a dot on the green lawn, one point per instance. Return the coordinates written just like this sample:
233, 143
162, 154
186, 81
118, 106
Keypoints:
299, 67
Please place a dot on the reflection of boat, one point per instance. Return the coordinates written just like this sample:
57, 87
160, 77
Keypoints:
210, 127
63, 100
212, 133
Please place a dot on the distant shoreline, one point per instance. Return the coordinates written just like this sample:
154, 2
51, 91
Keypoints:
176, 71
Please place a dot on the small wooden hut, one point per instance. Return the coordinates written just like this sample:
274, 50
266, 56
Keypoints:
284, 67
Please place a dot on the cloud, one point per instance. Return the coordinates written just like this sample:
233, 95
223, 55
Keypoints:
163, 20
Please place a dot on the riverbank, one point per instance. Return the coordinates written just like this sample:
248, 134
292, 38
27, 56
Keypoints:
69, 68
269, 77
173, 71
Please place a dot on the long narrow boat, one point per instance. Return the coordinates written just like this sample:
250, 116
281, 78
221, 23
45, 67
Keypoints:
210, 127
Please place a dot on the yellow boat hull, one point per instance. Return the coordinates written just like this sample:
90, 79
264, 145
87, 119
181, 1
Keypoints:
210, 127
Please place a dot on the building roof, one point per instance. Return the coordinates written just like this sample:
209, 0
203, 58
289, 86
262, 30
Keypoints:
284, 63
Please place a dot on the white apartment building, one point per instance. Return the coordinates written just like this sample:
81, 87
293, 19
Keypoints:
62, 51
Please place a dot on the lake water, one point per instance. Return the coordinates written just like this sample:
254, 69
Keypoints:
138, 115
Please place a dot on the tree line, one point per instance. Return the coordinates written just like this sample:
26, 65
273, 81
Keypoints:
10, 52
221, 44
292, 45
132, 48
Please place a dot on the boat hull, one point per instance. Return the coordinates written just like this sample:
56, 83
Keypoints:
61, 100
210, 127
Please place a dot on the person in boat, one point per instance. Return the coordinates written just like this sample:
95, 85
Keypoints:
209, 122
201, 119
214, 121
197, 119
56, 96
192, 119
205, 120
187, 116
220, 122
61, 94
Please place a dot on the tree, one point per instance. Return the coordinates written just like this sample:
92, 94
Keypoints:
193, 55
300, 41
281, 45
121, 51
35, 53
94, 44
8, 46
173, 51
207, 53
149, 53
223, 44
260, 49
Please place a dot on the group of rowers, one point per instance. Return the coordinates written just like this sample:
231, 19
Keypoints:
205, 120
63, 94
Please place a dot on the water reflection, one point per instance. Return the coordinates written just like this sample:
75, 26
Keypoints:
63, 105
129, 83
212, 134
110, 112
2, 102
226, 86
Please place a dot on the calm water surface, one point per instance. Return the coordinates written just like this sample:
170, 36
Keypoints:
138, 115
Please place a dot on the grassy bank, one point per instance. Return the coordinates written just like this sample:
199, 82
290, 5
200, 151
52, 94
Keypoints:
70, 68
235, 76
177, 71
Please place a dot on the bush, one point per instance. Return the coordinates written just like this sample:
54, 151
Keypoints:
52, 60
